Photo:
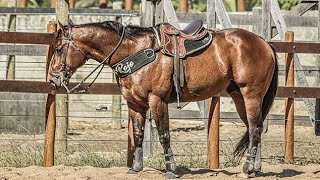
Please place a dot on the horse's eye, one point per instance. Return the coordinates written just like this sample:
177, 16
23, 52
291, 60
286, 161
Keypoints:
59, 49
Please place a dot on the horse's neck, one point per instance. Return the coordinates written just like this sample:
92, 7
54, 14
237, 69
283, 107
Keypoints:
101, 44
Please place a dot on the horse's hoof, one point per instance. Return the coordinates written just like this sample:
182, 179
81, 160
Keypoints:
170, 175
131, 171
245, 168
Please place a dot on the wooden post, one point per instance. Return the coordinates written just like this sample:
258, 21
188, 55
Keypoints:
183, 6
222, 15
72, 4
211, 14
257, 11
266, 20
103, 3
317, 84
62, 15
23, 3
165, 8
131, 145
241, 5
150, 133
300, 77
116, 108
213, 133
11, 59
289, 115
129, 4
53, 3
50, 110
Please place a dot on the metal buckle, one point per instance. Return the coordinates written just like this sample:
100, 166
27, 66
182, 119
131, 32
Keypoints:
149, 53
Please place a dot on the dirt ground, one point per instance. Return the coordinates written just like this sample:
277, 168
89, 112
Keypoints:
279, 171
188, 140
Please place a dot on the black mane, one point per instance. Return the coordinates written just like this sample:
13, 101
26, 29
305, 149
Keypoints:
131, 31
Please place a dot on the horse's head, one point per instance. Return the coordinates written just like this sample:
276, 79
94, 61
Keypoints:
67, 57
74, 44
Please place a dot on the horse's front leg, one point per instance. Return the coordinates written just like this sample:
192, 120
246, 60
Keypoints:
137, 116
159, 110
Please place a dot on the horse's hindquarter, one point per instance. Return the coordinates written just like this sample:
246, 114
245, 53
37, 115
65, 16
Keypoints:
234, 54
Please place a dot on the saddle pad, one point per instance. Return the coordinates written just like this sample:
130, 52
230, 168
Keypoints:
194, 46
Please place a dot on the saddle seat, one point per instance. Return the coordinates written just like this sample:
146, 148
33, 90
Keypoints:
193, 28
174, 40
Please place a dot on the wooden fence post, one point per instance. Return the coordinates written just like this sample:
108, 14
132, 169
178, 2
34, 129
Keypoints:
53, 3
103, 3
116, 108
213, 133
241, 5
50, 110
62, 15
23, 3
150, 133
128, 4
11, 59
211, 14
183, 6
266, 20
289, 115
317, 84
72, 4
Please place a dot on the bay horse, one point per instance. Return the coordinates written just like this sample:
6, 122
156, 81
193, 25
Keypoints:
236, 60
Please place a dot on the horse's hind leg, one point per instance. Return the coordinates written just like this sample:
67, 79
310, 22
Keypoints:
137, 116
159, 110
253, 103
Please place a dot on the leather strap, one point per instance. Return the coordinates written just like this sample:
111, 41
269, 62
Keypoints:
134, 62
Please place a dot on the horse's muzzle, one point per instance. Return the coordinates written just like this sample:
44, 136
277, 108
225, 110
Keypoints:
59, 79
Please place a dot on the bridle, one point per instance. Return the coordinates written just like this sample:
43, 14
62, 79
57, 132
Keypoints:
64, 72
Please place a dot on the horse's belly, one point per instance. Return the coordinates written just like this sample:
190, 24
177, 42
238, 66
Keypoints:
203, 87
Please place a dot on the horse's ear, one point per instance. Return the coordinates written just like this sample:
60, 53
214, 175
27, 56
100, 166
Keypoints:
70, 23
62, 27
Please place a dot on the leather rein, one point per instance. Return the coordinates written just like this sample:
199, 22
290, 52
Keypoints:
65, 69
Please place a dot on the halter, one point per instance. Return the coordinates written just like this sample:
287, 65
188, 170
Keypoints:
64, 70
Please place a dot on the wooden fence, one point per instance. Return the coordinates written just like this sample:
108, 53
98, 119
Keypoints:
289, 92
111, 88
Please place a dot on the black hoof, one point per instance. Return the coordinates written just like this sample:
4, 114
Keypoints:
131, 171
245, 168
170, 175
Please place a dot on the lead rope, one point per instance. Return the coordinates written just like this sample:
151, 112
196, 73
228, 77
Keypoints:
79, 88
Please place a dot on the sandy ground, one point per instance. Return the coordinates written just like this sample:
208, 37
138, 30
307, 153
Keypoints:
91, 173
306, 148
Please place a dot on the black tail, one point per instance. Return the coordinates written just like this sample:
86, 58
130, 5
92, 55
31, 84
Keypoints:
266, 106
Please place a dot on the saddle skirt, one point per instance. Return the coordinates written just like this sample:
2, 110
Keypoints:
187, 41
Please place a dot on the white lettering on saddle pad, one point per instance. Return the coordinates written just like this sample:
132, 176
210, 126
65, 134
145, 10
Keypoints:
124, 68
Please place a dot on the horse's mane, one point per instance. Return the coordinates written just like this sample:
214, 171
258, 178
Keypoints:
131, 31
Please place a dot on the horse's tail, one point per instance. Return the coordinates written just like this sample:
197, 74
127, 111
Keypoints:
266, 106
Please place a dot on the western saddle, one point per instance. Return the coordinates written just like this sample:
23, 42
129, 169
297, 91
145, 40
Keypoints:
180, 43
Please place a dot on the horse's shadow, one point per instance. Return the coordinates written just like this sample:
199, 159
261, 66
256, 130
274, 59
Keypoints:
285, 173
182, 171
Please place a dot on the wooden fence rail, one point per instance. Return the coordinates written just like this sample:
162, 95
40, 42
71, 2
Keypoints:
112, 88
